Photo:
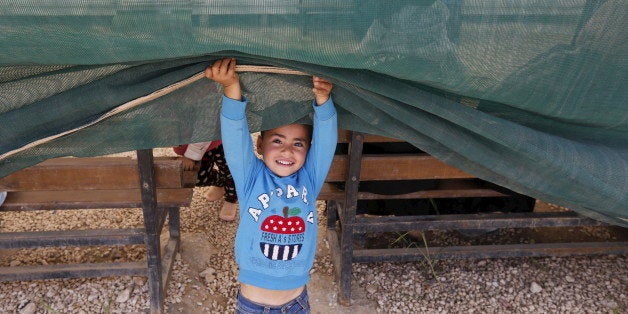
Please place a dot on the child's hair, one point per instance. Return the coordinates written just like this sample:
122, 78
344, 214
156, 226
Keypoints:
308, 127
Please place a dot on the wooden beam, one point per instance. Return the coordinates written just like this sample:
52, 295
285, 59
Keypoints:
396, 167
471, 221
24, 273
344, 136
29, 239
130, 198
490, 251
328, 193
98, 173
167, 261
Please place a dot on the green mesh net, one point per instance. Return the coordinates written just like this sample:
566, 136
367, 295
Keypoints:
530, 95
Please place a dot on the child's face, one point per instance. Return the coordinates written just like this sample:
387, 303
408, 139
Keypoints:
284, 149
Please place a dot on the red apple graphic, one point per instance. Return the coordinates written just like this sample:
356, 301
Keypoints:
285, 224
282, 226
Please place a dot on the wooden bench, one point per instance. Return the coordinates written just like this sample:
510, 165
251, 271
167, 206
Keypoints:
159, 186
354, 167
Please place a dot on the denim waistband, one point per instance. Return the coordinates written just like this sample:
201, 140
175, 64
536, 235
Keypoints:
300, 304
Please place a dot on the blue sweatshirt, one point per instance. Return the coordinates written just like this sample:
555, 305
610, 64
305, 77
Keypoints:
276, 239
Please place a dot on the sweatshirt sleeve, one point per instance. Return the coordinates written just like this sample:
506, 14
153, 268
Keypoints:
236, 141
197, 150
324, 139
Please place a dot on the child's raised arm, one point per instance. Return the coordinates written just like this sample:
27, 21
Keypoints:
223, 72
322, 89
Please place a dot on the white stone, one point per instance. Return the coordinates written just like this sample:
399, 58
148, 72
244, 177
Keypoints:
610, 304
535, 288
139, 281
371, 289
569, 279
123, 296
30, 308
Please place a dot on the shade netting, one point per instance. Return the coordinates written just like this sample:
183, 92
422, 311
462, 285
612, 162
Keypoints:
530, 95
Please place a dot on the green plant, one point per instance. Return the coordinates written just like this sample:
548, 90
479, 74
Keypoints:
435, 206
401, 237
107, 307
427, 256
44, 304
430, 262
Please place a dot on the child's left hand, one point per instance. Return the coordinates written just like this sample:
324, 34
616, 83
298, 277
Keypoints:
322, 89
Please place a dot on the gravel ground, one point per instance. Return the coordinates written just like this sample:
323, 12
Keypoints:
203, 279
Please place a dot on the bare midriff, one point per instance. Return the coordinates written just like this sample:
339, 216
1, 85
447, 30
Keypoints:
267, 296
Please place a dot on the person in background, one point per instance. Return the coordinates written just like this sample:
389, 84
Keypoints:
213, 172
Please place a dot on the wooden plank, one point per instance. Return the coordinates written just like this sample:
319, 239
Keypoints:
471, 221
344, 136
396, 167
130, 198
434, 194
332, 192
153, 246
167, 261
334, 251
98, 173
347, 214
172, 247
29, 239
24, 273
490, 251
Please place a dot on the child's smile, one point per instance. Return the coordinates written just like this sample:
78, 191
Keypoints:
285, 162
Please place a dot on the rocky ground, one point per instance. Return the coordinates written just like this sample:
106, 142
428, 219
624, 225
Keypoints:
203, 280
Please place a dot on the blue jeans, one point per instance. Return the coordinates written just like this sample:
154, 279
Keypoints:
298, 305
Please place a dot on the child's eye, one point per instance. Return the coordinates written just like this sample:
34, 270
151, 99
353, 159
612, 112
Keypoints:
298, 144
277, 141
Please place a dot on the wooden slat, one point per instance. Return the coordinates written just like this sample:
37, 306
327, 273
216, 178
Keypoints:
490, 251
471, 221
49, 200
344, 137
167, 261
330, 194
444, 193
91, 237
24, 273
396, 167
98, 173
334, 251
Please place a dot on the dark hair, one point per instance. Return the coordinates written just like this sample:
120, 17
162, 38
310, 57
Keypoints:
308, 128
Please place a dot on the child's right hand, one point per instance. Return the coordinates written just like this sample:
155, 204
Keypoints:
322, 89
223, 72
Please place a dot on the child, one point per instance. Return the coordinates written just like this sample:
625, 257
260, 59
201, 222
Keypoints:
213, 172
276, 238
